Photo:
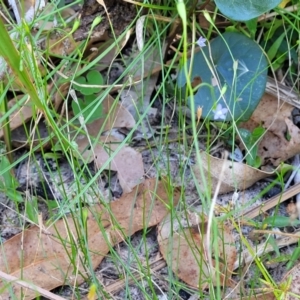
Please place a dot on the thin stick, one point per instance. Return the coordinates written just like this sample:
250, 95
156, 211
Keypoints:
30, 286
292, 191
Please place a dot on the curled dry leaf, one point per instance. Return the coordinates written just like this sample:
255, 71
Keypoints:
210, 8
186, 253
282, 139
42, 256
236, 175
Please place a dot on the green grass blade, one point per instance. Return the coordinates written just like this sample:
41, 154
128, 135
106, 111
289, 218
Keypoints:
12, 56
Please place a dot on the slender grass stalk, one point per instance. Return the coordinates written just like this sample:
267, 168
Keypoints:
5, 123
9, 52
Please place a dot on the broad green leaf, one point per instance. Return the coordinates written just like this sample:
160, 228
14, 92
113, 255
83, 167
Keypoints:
233, 72
93, 77
244, 10
279, 46
252, 26
87, 109
250, 140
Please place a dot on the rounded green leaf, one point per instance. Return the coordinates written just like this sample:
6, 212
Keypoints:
244, 10
86, 108
233, 72
93, 77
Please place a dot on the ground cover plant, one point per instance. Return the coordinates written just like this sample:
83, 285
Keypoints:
149, 149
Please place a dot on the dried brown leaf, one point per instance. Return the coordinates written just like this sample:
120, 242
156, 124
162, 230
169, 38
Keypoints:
42, 256
275, 147
236, 175
115, 116
186, 252
126, 161
108, 58
61, 45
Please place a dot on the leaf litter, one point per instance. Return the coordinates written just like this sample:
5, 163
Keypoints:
236, 176
114, 116
279, 143
41, 257
185, 248
282, 139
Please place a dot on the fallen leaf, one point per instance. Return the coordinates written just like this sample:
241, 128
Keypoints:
283, 3
23, 112
61, 44
115, 116
185, 251
47, 26
126, 161
92, 295
30, 135
275, 147
210, 8
42, 256
236, 175
143, 73
100, 48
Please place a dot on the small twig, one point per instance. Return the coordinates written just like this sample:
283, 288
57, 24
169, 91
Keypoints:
265, 248
292, 191
284, 93
274, 14
297, 181
30, 286
296, 165
278, 233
